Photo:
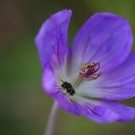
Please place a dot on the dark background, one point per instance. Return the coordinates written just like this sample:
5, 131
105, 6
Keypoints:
24, 107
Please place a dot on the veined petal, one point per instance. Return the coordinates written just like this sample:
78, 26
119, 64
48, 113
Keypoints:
52, 37
120, 83
49, 82
52, 88
105, 38
104, 111
116, 85
66, 104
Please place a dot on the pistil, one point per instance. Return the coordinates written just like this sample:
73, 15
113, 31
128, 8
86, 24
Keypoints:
88, 71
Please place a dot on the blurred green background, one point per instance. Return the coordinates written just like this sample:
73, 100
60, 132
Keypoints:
24, 106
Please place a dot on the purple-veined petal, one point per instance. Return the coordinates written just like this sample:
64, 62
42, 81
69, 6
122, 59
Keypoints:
105, 38
52, 37
65, 103
52, 88
104, 111
116, 85
120, 83
49, 82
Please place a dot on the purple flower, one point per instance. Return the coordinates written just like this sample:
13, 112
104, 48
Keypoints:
98, 70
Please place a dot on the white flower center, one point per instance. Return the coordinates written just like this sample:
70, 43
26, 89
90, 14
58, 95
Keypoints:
71, 85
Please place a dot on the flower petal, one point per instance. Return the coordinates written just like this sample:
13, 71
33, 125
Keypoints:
49, 82
51, 87
65, 103
105, 38
120, 83
105, 111
52, 37
116, 85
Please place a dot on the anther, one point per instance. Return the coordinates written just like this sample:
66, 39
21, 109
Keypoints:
88, 71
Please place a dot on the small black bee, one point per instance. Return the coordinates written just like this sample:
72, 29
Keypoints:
68, 87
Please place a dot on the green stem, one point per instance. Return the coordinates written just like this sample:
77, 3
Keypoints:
52, 119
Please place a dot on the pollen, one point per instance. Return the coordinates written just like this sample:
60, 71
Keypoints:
90, 71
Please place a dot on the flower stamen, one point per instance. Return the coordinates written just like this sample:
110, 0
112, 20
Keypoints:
88, 71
